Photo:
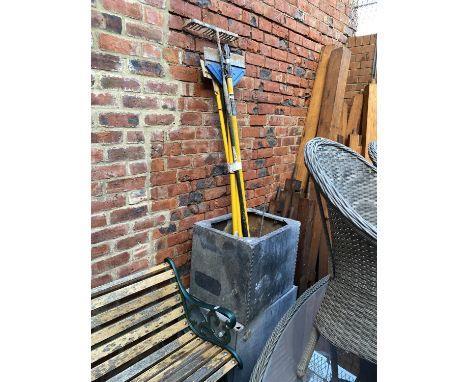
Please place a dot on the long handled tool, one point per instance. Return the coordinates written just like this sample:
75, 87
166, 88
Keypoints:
235, 166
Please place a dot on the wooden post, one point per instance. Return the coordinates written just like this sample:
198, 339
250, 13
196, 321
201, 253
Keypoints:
369, 117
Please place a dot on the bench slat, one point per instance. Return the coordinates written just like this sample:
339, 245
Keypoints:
135, 334
151, 360
173, 360
192, 365
137, 349
127, 280
113, 313
222, 371
133, 320
126, 291
210, 367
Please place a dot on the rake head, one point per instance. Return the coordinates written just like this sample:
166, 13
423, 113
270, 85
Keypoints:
202, 29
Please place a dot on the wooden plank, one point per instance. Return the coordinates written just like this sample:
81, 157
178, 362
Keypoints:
153, 359
333, 93
344, 120
174, 359
135, 350
273, 207
354, 119
317, 233
222, 371
355, 142
134, 319
177, 372
110, 347
369, 118
294, 205
108, 298
124, 281
305, 215
313, 114
130, 306
209, 368
323, 257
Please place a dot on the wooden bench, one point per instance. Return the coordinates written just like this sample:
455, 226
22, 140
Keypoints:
147, 327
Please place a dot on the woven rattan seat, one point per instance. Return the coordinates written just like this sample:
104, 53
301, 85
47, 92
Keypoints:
373, 152
347, 182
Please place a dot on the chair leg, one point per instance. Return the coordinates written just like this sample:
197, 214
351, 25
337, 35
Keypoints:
307, 355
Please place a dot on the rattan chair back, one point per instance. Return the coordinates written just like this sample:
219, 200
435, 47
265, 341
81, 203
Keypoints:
373, 152
348, 184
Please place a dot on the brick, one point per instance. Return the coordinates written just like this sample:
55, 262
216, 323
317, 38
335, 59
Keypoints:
107, 171
140, 102
99, 250
106, 137
181, 40
161, 88
101, 99
178, 238
132, 10
257, 120
278, 54
184, 8
98, 221
97, 155
102, 61
133, 267
100, 280
229, 10
159, 119
138, 168
179, 162
107, 204
264, 24
183, 73
153, 16
158, 164
132, 241
119, 83
119, 120
192, 174
146, 68
135, 137
105, 21
172, 55
126, 214
126, 153
116, 44
110, 263
163, 177
194, 104
254, 59
122, 185
151, 51
182, 134
148, 33
192, 119
108, 233
161, 205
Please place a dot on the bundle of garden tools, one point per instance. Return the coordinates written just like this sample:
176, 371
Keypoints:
225, 70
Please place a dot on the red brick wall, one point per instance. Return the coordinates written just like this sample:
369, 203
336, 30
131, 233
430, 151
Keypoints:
362, 60
157, 156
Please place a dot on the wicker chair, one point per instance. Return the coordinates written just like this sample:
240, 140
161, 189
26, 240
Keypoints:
347, 316
373, 152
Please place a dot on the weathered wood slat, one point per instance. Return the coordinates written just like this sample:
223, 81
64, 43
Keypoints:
333, 93
192, 365
354, 142
313, 114
173, 359
305, 216
108, 298
344, 120
137, 349
222, 371
133, 335
127, 280
354, 119
174, 369
153, 359
369, 118
213, 364
133, 320
132, 305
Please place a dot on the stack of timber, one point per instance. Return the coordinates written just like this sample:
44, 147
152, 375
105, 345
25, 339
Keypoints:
328, 116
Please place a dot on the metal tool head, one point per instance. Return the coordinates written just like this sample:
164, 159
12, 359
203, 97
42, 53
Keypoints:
202, 29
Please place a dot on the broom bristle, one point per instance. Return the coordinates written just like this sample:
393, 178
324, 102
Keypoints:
200, 28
